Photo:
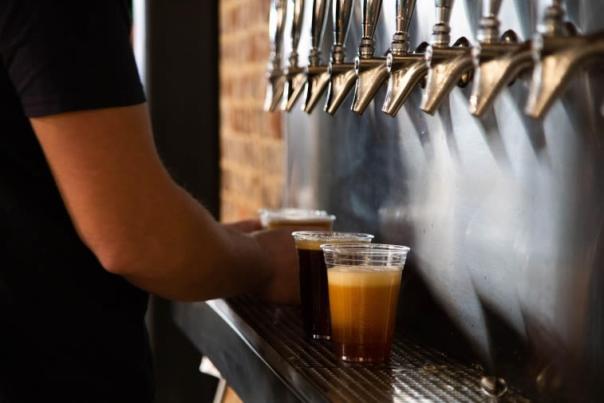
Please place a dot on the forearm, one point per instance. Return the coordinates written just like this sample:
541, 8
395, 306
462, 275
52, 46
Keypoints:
132, 215
183, 254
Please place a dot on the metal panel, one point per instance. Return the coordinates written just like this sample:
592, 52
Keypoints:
245, 336
503, 213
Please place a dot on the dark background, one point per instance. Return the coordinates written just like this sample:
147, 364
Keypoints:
182, 87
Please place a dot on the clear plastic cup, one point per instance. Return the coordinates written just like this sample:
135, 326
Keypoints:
364, 282
313, 277
296, 219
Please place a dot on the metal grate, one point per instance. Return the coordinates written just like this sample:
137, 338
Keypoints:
414, 373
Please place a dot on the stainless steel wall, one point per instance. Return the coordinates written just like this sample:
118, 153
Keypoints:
504, 214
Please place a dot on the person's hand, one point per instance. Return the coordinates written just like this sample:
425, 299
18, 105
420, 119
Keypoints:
245, 226
282, 259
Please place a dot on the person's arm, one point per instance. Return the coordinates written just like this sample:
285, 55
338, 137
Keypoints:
142, 225
245, 226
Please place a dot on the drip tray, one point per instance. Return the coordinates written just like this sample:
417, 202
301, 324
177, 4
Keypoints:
261, 350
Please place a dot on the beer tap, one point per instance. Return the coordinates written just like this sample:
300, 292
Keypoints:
488, 60
341, 74
406, 69
317, 74
370, 71
295, 77
556, 58
500, 64
276, 80
447, 65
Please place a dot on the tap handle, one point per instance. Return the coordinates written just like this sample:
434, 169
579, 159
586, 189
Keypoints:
370, 11
488, 32
276, 25
553, 20
317, 29
296, 29
400, 39
442, 30
342, 11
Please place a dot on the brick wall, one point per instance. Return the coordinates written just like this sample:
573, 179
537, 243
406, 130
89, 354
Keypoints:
252, 149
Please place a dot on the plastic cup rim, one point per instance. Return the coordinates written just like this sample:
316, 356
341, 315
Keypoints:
364, 248
332, 236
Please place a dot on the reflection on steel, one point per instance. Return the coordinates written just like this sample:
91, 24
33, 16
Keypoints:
500, 64
316, 72
504, 213
295, 76
341, 74
493, 387
556, 59
276, 80
447, 65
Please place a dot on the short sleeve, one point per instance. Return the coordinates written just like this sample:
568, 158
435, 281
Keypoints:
69, 55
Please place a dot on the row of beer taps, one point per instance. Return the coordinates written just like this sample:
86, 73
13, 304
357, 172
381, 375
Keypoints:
554, 53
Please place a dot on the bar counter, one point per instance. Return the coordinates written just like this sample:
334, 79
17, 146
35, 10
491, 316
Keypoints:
261, 351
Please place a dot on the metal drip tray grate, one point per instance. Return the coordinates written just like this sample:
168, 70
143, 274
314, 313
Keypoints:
414, 373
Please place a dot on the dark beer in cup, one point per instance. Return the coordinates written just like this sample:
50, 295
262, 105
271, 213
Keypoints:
313, 277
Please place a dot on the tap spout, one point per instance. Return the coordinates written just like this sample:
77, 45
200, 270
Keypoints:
447, 67
557, 59
498, 62
275, 78
295, 82
344, 75
295, 77
370, 76
274, 91
372, 73
316, 73
493, 73
340, 74
406, 72
341, 80
317, 79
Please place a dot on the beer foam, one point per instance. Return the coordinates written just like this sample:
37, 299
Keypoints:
308, 244
364, 276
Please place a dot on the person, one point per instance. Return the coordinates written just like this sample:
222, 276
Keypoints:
90, 219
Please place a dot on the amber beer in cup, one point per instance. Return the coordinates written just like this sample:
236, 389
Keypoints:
364, 283
313, 277
296, 219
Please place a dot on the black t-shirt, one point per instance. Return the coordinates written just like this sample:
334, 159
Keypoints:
69, 330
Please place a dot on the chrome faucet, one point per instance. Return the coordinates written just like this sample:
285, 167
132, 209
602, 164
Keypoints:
485, 54
295, 77
447, 65
499, 64
276, 80
406, 69
556, 58
317, 74
341, 74
370, 71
